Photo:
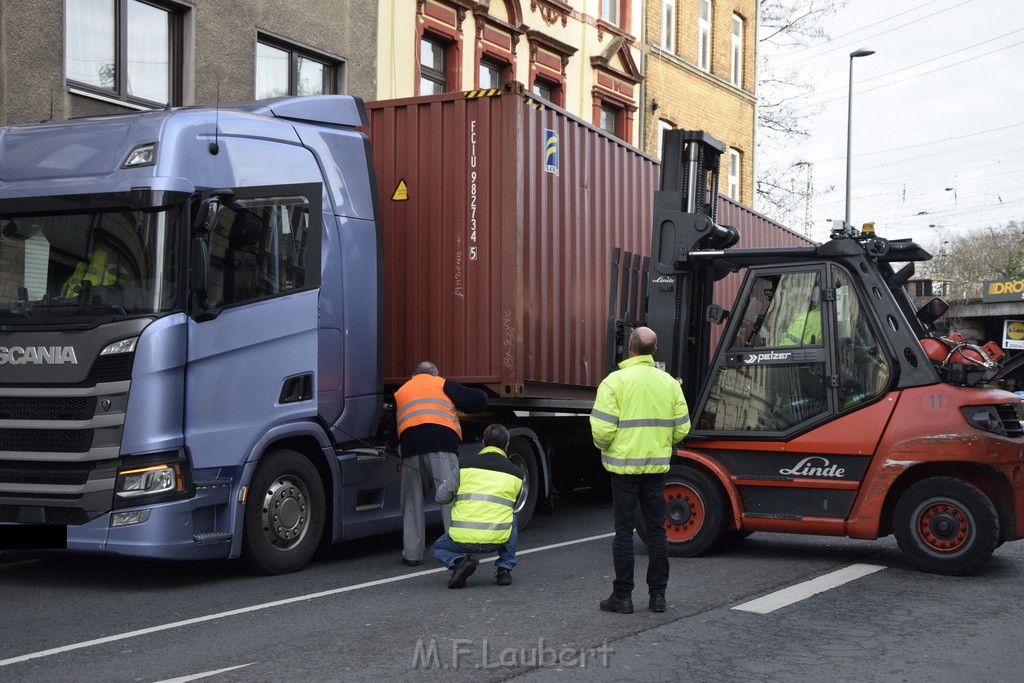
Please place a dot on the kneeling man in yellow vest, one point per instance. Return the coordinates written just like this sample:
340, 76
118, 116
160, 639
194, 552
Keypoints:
484, 487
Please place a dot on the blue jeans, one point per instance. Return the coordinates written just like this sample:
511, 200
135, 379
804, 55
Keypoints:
448, 551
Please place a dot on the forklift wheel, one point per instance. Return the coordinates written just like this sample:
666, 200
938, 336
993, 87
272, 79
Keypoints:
694, 513
946, 525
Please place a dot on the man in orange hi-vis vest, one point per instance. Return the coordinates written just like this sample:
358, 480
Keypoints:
429, 432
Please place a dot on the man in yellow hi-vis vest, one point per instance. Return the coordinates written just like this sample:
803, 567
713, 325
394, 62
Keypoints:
485, 488
639, 415
101, 270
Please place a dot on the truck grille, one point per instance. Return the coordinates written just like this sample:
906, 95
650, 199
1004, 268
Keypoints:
46, 440
52, 515
61, 408
49, 473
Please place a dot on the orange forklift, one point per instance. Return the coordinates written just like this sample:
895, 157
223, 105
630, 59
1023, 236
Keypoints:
831, 404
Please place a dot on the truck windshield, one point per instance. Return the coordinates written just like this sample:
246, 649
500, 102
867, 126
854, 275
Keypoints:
117, 262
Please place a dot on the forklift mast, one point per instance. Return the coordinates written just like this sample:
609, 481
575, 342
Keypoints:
670, 292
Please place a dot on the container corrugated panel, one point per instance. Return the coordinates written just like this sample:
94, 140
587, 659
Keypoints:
499, 215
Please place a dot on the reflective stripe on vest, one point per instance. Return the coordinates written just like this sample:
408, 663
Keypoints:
422, 400
484, 504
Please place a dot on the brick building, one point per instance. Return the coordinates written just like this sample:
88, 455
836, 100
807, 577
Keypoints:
700, 74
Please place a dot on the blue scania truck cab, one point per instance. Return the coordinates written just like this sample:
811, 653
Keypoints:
189, 323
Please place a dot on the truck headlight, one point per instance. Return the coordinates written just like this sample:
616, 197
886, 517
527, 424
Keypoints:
152, 480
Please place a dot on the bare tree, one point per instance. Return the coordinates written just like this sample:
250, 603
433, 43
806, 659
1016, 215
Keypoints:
960, 261
785, 26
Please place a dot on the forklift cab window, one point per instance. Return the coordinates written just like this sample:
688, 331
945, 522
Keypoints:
761, 383
862, 369
783, 310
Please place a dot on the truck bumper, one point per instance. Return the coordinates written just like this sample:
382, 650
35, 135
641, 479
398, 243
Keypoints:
195, 529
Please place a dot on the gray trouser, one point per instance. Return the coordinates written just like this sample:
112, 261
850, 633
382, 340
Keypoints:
415, 486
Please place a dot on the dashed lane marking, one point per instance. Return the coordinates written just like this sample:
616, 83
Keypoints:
204, 674
802, 591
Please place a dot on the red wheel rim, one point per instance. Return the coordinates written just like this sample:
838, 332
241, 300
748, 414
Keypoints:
684, 512
943, 526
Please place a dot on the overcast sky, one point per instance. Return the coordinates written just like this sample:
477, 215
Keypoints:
939, 105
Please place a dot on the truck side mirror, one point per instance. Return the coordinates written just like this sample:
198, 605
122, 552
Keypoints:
207, 216
17, 231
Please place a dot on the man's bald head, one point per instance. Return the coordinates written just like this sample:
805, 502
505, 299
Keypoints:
643, 342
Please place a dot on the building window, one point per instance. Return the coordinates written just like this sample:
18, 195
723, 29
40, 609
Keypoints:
611, 119
668, 25
126, 49
433, 67
737, 51
610, 11
734, 174
283, 70
490, 74
662, 127
550, 91
704, 35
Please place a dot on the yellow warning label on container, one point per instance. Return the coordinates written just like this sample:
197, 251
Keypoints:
401, 192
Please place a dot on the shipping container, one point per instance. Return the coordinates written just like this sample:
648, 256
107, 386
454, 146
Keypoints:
499, 214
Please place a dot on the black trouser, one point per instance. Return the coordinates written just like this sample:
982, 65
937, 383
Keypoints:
649, 491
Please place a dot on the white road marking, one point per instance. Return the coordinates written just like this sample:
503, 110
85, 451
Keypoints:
204, 674
255, 608
802, 591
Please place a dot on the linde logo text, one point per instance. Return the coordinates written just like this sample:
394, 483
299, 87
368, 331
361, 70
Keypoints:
37, 355
815, 466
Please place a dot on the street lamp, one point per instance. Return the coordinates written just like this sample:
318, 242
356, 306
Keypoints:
849, 127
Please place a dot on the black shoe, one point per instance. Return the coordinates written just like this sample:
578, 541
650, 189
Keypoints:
410, 563
503, 576
617, 604
657, 603
462, 571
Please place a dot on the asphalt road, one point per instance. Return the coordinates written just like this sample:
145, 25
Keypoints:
356, 613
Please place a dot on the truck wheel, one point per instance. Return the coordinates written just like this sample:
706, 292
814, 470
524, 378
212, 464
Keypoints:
284, 514
694, 513
521, 453
946, 525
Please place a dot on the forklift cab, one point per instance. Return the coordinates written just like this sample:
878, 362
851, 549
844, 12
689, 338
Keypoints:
800, 349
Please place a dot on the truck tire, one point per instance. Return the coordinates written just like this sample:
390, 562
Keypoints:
520, 452
694, 513
946, 525
284, 514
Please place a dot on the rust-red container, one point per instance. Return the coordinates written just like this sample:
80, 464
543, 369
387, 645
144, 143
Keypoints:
499, 216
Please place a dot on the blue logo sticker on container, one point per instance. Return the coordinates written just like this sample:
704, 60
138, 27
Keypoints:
550, 151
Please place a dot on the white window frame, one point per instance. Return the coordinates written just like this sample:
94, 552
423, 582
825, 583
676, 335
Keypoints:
662, 127
668, 25
704, 34
610, 11
735, 167
737, 51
